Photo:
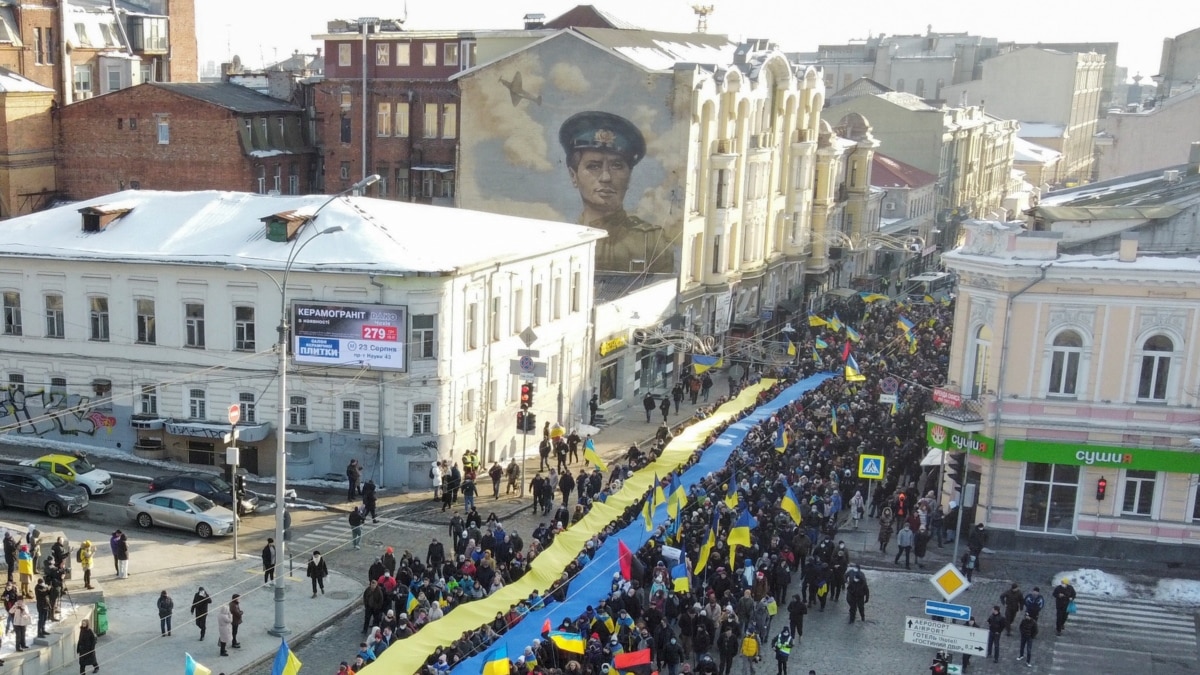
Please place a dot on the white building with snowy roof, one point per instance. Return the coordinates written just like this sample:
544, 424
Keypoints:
135, 320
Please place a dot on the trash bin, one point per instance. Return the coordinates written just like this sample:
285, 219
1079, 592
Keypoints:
101, 618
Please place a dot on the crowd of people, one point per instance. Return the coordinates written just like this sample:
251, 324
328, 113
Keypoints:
799, 462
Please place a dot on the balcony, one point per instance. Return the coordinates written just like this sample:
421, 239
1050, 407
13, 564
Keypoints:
964, 412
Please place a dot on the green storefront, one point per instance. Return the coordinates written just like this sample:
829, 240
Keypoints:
1053, 489
946, 439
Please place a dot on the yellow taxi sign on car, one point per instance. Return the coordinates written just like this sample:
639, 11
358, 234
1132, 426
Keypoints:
75, 469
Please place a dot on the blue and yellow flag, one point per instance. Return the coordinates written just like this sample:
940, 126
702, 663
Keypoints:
929, 299
816, 357
676, 496
660, 496
896, 402
681, 581
739, 534
701, 363
791, 348
821, 344
853, 334
568, 642
590, 455
193, 667
411, 604
709, 542
731, 494
835, 323
648, 512
285, 662
852, 372
496, 662
904, 324
872, 297
781, 439
816, 321
791, 505
833, 412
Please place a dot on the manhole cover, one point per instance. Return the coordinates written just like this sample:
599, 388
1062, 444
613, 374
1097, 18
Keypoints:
339, 595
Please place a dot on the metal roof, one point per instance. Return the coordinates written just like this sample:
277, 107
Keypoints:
230, 96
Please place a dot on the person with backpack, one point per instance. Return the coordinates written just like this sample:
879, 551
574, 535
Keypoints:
750, 650
85, 555
858, 594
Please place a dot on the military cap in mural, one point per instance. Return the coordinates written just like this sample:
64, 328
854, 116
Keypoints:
595, 130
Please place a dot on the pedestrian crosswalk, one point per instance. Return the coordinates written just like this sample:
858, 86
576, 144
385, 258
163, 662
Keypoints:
336, 534
1121, 635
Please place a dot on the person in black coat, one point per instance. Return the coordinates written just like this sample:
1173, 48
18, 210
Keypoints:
268, 560
1063, 594
317, 571
85, 646
1029, 631
797, 608
858, 594
42, 594
200, 604
369, 500
996, 625
566, 484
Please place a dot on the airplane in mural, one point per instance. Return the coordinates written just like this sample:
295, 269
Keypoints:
517, 91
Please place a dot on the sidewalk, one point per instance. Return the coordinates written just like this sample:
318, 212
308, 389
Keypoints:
133, 644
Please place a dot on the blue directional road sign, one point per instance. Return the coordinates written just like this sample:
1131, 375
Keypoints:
947, 610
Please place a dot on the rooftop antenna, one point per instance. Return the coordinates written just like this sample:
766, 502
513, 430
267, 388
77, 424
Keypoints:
702, 12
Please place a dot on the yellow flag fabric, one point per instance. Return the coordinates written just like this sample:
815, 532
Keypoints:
791, 348
791, 505
590, 455
549, 565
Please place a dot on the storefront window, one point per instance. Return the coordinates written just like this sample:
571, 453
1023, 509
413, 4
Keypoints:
608, 381
1050, 492
1137, 495
1195, 499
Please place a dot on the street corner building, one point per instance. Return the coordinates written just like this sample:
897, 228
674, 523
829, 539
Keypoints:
135, 321
1069, 417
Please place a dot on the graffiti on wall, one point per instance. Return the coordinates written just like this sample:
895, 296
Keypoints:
42, 412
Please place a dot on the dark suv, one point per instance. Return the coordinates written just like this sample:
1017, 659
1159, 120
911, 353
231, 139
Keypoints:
207, 485
28, 487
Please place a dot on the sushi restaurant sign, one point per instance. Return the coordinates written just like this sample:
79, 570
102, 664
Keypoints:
1080, 454
952, 440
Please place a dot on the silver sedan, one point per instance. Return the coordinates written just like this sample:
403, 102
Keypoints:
180, 509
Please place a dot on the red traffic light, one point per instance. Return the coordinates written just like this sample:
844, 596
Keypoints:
527, 394
1101, 488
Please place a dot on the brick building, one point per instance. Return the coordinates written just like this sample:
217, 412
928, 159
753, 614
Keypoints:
183, 136
98, 46
26, 144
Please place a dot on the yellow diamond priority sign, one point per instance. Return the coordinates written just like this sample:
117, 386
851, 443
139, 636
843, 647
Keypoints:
949, 582
870, 467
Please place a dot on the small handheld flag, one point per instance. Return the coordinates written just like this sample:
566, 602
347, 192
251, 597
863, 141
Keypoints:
285, 662
590, 455
192, 667
791, 348
791, 505
496, 662
568, 642
816, 321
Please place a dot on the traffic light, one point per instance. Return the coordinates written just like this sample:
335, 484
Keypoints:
530, 422
239, 486
520, 420
1101, 488
527, 394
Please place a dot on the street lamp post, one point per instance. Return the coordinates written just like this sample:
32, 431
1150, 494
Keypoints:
280, 628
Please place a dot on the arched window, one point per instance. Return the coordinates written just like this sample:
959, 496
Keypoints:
921, 87
1156, 368
900, 84
1064, 363
940, 83
982, 352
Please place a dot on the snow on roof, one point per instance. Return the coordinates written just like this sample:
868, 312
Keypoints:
1027, 151
1041, 130
890, 172
1108, 261
11, 82
222, 228
653, 50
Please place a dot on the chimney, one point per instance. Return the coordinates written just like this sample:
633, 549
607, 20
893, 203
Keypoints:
1193, 166
535, 21
1129, 247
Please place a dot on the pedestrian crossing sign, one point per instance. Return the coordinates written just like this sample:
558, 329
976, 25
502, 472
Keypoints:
870, 467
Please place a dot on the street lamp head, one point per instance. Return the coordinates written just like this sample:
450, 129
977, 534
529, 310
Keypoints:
236, 267
330, 230
366, 182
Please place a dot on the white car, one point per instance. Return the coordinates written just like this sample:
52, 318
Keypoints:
180, 509
75, 469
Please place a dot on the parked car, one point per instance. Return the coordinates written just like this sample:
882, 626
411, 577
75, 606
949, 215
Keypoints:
75, 469
28, 487
182, 510
206, 485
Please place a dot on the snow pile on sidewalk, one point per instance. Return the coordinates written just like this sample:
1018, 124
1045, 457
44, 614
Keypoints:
1092, 582
1177, 592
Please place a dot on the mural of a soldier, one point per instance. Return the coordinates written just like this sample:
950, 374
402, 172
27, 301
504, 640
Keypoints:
601, 150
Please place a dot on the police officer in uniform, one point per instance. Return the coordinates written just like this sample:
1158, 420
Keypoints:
601, 150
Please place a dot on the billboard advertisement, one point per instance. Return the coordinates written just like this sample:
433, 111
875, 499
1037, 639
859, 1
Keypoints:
349, 335
567, 131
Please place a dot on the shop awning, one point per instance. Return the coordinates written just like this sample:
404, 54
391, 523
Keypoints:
932, 458
147, 423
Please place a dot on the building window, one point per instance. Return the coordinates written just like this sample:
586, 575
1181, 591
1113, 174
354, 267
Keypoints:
430, 121
39, 47
422, 421
449, 121
556, 298
921, 87
427, 178
900, 84
403, 53
1064, 363
1137, 493
248, 405
554, 366
536, 310
12, 313
429, 54
344, 171
83, 82
494, 320
609, 382
470, 53
447, 183
401, 126
471, 327
149, 399
98, 319
383, 120
518, 310
351, 416
197, 404
145, 321
403, 190
981, 357
114, 79
1156, 369
58, 389
298, 412
278, 178
55, 322
1048, 498
383, 54
468, 412
575, 291
382, 185
345, 55
164, 130
243, 329
424, 336
450, 54
716, 254
347, 132
16, 384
